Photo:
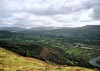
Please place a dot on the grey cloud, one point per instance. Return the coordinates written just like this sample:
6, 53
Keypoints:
92, 3
95, 5
39, 7
47, 9
96, 13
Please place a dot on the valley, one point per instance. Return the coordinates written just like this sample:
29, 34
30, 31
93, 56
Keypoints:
49, 35
75, 47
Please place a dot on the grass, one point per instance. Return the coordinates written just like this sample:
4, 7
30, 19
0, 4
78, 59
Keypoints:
77, 51
10, 61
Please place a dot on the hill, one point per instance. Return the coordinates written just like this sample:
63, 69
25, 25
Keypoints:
43, 28
12, 29
10, 61
86, 34
78, 32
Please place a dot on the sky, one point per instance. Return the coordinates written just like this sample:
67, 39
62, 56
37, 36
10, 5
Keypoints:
49, 13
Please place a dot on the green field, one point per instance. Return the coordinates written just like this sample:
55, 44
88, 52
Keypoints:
77, 51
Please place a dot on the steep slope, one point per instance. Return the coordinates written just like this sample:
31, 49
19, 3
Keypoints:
10, 61
52, 54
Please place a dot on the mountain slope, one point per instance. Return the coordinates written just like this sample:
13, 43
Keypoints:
68, 32
10, 61
43, 28
12, 29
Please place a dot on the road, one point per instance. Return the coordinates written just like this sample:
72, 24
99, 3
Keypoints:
94, 61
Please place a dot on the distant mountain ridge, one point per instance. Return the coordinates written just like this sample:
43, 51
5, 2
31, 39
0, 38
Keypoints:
91, 27
43, 28
67, 29
12, 29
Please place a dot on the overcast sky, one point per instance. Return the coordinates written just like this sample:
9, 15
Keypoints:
49, 13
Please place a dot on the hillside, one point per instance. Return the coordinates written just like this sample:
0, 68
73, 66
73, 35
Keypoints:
10, 61
12, 29
43, 28
48, 53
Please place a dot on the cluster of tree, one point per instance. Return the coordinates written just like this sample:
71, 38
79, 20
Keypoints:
44, 53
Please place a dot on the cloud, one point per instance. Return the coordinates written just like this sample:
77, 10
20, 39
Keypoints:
42, 7
57, 13
96, 13
54, 7
95, 5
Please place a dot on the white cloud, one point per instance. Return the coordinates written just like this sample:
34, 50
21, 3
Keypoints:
34, 13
